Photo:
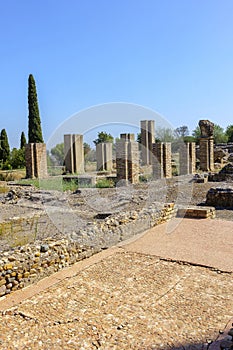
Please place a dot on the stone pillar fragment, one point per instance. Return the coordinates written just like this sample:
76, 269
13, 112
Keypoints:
192, 156
104, 156
147, 140
187, 153
36, 160
158, 160
184, 159
127, 159
167, 159
206, 145
162, 160
74, 153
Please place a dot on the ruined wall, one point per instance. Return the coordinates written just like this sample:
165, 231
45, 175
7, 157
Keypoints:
28, 263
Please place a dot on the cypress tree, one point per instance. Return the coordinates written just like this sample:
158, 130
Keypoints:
22, 140
34, 123
4, 146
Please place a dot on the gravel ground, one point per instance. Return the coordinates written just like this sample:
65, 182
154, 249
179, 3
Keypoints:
127, 301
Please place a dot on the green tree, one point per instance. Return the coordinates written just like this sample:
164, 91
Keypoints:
165, 135
219, 134
58, 153
229, 133
34, 123
22, 140
87, 148
4, 147
182, 131
17, 158
103, 137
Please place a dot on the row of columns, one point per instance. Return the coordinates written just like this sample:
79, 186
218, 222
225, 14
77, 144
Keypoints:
158, 155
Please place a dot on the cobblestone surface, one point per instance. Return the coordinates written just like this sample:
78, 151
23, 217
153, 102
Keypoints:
126, 301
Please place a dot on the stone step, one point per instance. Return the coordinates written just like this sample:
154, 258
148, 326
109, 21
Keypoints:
196, 212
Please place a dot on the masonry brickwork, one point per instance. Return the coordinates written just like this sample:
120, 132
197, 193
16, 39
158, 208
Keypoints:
187, 155
36, 160
127, 159
207, 154
162, 160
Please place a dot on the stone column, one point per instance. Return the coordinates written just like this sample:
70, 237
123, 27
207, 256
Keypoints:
157, 159
74, 153
100, 156
121, 160
133, 162
68, 150
167, 159
127, 159
211, 153
147, 140
104, 156
192, 155
204, 154
78, 153
108, 156
206, 145
36, 160
184, 161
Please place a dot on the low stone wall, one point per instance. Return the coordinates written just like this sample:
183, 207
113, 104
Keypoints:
197, 212
28, 263
220, 197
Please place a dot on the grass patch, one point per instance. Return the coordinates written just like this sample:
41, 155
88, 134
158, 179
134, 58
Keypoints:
104, 183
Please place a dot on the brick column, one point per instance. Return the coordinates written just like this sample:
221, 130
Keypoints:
127, 160
192, 155
36, 160
167, 159
204, 154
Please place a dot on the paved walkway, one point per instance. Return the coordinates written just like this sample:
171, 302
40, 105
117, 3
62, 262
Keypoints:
201, 242
130, 297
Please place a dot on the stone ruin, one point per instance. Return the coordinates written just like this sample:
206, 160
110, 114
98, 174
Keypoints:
147, 141
206, 145
127, 159
74, 153
104, 156
36, 160
220, 197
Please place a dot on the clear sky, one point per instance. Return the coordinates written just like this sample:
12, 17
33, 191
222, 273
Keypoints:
172, 56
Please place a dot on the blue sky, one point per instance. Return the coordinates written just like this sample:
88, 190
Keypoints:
172, 56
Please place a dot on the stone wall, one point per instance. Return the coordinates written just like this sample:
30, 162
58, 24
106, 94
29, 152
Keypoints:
28, 263
74, 153
220, 197
36, 160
